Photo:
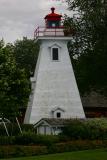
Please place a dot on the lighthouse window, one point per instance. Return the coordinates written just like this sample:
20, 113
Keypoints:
55, 55
53, 24
58, 115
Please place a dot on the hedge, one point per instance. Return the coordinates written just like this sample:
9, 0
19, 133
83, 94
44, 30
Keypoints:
78, 145
32, 138
20, 151
90, 129
29, 138
86, 129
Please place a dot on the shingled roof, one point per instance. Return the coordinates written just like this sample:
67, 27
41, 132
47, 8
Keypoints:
57, 121
54, 122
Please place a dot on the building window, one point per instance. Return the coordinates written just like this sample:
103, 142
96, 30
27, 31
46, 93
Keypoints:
55, 56
58, 115
53, 25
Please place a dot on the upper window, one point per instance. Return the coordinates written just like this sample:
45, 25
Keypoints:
55, 56
53, 25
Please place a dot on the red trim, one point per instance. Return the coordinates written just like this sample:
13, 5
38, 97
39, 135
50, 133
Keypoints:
53, 19
53, 15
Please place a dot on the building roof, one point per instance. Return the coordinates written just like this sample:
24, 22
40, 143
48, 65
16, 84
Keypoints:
53, 122
57, 121
94, 100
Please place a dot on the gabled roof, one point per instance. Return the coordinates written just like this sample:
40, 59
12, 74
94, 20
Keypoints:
57, 122
55, 44
57, 108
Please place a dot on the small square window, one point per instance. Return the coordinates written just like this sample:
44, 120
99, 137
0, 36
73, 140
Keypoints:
55, 55
53, 25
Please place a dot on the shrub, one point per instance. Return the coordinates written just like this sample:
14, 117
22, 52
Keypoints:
13, 129
47, 139
28, 128
5, 140
75, 145
91, 129
29, 138
86, 129
26, 138
75, 130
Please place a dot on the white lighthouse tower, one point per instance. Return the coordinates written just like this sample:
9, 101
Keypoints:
54, 90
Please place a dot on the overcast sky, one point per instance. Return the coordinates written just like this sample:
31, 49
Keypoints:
19, 18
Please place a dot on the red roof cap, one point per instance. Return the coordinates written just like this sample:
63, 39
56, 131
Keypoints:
53, 15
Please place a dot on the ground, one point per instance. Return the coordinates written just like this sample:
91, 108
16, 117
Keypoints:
100, 154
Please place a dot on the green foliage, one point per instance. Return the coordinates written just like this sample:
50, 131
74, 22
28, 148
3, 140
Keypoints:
17, 63
75, 130
78, 135
13, 129
88, 48
28, 128
86, 129
14, 84
5, 140
19, 151
29, 138
26, 138
97, 123
89, 129
47, 140
96, 154
26, 54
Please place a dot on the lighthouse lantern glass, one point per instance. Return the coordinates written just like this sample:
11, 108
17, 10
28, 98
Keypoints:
53, 20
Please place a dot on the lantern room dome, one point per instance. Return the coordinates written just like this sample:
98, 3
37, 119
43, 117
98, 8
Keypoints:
53, 20
53, 15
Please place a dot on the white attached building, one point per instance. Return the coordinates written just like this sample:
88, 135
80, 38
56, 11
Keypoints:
51, 126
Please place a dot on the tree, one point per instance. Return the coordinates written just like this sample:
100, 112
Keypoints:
14, 86
26, 53
88, 48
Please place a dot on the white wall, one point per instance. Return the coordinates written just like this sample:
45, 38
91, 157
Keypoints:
55, 85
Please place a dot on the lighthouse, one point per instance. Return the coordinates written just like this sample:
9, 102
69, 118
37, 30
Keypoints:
54, 91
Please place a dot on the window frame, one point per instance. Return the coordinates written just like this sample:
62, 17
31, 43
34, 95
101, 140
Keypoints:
55, 47
57, 114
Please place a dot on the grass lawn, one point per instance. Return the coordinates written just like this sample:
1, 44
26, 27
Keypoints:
100, 154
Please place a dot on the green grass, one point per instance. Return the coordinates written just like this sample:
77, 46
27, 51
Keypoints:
79, 155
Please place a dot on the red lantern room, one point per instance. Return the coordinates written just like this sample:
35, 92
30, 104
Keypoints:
52, 27
53, 20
